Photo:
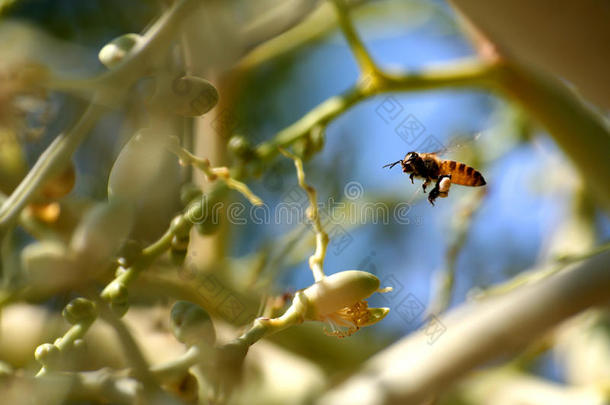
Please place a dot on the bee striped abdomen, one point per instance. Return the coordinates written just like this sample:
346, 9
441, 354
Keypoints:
462, 174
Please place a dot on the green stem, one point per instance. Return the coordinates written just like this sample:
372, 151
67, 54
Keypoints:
262, 327
149, 254
52, 161
178, 366
363, 57
316, 261
468, 73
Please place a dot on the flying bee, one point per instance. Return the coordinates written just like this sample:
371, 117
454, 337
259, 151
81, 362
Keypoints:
429, 167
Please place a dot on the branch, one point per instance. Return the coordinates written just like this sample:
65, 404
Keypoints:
316, 261
466, 73
212, 173
368, 67
414, 370
52, 161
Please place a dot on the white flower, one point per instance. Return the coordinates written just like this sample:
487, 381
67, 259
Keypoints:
339, 300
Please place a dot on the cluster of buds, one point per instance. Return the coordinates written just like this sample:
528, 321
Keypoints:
80, 313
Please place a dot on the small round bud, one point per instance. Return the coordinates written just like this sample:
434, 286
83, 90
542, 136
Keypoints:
240, 147
180, 227
116, 292
189, 96
114, 52
48, 355
178, 250
80, 310
194, 96
191, 324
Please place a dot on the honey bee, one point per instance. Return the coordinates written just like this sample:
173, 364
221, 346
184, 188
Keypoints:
429, 167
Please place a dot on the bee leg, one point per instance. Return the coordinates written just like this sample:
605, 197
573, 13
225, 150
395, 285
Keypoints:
411, 177
425, 184
436, 192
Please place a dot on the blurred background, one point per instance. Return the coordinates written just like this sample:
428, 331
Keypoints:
535, 209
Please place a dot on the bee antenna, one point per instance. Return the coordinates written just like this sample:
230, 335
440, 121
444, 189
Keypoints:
391, 165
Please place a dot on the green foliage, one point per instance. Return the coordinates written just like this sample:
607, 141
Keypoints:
151, 198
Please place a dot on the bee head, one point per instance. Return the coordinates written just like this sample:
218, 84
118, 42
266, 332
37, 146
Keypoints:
410, 157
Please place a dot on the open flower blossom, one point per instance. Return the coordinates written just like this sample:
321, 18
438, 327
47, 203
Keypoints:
339, 300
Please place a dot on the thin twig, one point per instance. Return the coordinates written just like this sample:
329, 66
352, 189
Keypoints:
368, 67
213, 173
316, 261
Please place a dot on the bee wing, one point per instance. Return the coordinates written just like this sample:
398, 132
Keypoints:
457, 143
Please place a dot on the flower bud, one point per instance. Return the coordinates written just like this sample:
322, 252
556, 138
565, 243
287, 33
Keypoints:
194, 96
189, 96
101, 233
48, 355
341, 289
240, 147
48, 265
114, 52
339, 300
191, 324
180, 227
146, 175
80, 310
116, 292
